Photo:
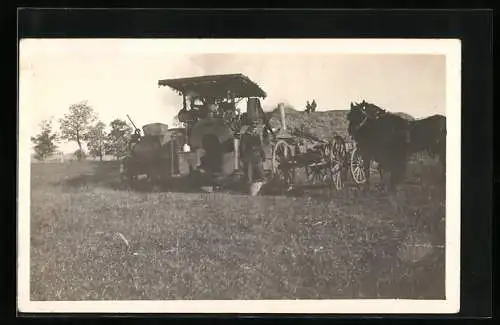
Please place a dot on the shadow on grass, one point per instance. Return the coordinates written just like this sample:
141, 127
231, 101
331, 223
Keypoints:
107, 175
102, 174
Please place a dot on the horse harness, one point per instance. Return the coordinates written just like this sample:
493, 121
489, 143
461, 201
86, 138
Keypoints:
380, 115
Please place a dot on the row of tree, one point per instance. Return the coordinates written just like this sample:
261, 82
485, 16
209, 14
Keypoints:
82, 125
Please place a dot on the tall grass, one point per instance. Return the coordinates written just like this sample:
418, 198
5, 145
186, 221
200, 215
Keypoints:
92, 240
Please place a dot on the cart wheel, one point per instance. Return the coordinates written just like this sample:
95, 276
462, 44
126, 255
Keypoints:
336, 151
357, 167
316, 174
282, 164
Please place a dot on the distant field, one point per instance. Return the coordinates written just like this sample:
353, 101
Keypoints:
90, 240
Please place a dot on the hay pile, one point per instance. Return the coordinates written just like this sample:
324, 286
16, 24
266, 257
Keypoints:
321, 124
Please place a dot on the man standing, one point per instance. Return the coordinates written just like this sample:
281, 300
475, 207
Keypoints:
313, 106
252, 152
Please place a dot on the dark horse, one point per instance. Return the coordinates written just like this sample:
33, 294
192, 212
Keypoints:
429, 134
379, 138
426, 134
388, 138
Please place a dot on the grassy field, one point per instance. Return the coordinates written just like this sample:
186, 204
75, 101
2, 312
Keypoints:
92, 240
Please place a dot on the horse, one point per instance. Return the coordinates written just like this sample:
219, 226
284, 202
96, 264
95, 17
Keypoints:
429, 134
423, 135
380, 136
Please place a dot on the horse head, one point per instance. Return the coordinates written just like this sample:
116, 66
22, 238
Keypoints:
381, 135
373, 111
357, 117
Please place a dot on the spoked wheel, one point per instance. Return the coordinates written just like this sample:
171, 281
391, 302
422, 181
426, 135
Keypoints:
335, 151
357, 167
282, 164
316, 174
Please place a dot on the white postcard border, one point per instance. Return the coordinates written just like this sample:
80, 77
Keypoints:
451, 48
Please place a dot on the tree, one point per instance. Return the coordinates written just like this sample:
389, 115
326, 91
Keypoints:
75, 125
45, 141
97, 140
118, 138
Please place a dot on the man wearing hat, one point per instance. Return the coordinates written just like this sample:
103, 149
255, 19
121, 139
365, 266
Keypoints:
252, 152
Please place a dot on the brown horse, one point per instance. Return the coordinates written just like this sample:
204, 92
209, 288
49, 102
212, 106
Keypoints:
381, 139
429, 134
423, 135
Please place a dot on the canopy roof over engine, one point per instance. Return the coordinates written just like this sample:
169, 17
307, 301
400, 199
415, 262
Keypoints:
216, 86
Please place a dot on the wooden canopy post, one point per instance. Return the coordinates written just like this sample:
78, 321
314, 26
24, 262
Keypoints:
236, 144
253, 104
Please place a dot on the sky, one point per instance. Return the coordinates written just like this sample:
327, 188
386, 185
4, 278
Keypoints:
119, 78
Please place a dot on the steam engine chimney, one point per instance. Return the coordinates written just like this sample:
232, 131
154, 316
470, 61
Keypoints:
253, 105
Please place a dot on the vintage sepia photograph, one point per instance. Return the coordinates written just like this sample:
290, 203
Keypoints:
239, 175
